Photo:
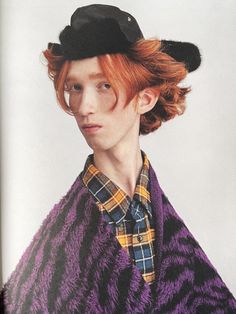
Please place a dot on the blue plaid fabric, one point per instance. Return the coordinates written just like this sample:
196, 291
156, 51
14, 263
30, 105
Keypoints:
130, 219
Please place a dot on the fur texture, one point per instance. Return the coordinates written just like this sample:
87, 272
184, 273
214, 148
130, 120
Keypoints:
74, 264
185, 52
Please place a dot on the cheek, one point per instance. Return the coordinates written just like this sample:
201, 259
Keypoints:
73, 102
123, 121
106, 103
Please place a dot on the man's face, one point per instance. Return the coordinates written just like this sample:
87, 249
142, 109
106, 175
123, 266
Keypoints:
91, 98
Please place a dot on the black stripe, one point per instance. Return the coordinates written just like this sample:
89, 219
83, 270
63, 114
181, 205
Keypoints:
123, 288
170, 228
174, 271
56, 228
105, 274
27, 272
203, 272
208, 308
206, 296
103, 294
138, 295
88, 238
172, 253
230, 310
92, 271
164, 199
177, 298
220, 289
189, 241
85, 249
2, 299
56, 278
61, 259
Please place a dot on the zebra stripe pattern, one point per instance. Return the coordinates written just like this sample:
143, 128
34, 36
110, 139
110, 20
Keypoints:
74, 264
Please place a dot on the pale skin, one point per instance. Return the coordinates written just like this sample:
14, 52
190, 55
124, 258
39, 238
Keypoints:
115, 145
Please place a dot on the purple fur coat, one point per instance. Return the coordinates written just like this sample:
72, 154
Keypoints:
74, 264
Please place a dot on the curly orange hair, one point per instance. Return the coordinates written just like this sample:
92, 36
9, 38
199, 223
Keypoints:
145, 65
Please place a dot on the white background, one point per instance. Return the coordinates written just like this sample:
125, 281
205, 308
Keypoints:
193, 155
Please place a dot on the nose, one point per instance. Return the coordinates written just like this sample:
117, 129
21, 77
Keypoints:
87, 104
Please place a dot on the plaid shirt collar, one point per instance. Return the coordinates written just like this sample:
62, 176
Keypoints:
115, 201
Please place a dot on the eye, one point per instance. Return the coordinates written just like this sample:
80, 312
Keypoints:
76, 87
72, 88
105, 86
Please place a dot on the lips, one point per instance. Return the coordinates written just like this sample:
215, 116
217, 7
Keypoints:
90, 125
91, 128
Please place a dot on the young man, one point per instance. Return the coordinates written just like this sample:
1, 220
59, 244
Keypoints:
114, 243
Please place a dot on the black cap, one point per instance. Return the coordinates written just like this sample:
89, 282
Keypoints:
100, 29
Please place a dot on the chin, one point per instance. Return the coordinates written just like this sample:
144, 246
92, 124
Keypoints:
96, 146
100, 147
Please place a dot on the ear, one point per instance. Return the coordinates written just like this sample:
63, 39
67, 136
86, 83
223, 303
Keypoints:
147, 98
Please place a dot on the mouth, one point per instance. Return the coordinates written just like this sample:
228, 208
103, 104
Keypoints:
92, 129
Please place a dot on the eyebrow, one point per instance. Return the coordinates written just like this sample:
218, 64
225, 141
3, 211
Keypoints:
93, 75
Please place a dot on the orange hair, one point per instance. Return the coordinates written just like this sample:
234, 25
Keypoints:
145, 65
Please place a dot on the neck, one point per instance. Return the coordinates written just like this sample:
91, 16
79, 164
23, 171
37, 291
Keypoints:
121, 166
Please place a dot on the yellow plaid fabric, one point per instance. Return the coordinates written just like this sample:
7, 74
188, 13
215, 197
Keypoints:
130, 219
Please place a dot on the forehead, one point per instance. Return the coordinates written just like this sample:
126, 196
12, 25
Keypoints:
88, 68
